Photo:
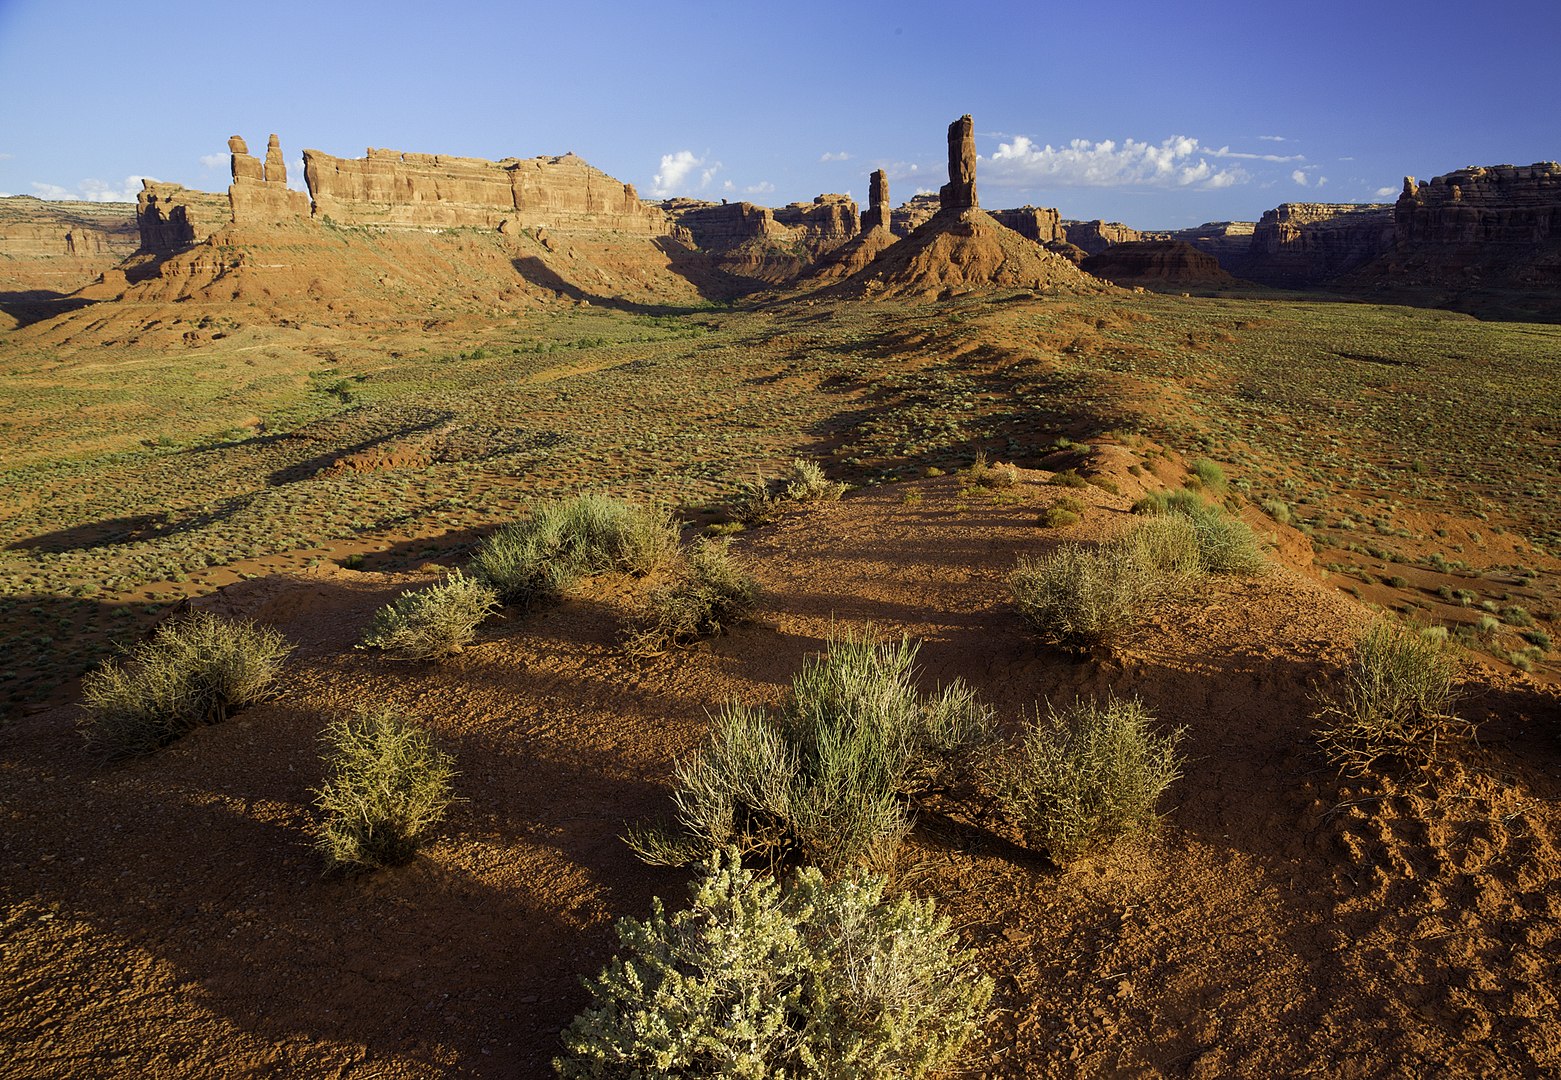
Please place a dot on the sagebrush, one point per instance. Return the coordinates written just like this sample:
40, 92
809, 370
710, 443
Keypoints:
804, 481
1086, 775
1397, 699
824, 779
566, 539
431, 623
387, 787
710, 592
754, 979
194, 670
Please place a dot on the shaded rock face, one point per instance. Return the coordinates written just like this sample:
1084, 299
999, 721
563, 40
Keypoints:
1227, 241
391, 189
913, 213
1502, 204
1096, 236
171, 217
1298, 244
1038, 223
1156, 262
825, 223
762, 245
960, 192
877, 215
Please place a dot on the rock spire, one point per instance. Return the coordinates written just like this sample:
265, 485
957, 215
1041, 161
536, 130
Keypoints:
960, 192
877, 213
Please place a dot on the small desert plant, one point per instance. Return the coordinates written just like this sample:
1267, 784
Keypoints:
710, 593
804, 481
755, 979
1083, 597
755, 503
1397, 701
1062, 513
1279, 510
195, 670
426, 624
567, 539
824, 779
387, 787
1068, 478
1226, 544
988, 475
1087, 775
1210, 475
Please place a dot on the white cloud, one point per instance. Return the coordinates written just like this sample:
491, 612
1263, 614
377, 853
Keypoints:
212, 161
1227, 152
93, 190
1386, 192
763, 187
51, 191
924, 191
728, 186
1175, 162
1321, 180
1272, 138
676, 170
1299, 176
837, 156
6, 157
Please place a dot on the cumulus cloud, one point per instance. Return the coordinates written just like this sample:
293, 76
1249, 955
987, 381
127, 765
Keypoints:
1176, 162
1299, 176
763, 187
93, 190
677, 171
1386, 192
840, 155
212, 161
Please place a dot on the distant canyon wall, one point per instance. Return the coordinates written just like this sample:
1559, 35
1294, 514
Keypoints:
1300, 244
56, 246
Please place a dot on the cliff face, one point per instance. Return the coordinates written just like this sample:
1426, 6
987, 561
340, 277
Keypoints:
825, 223
1152, 263
913, 213
1228, 241
1504, 204
1096, 236
1038, 223
764, 246
390, 189
171, 217
60, 246
1298, 244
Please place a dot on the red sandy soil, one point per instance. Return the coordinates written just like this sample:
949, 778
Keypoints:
167, 917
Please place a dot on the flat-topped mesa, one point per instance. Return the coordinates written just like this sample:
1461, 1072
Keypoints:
259, 194
1308, 243
876, 216
391, 189
826, 222
171, 217
960, 192
1499, 204
1096, 236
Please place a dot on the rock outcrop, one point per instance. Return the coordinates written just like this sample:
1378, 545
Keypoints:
1227, 241
1300, 244
764, 246
1096, 236
57, 247
913, 213
960, 192
1038, 223
1158, 263
877, 215
171, 217
259, 194
391, 189
1514, 206
823, 224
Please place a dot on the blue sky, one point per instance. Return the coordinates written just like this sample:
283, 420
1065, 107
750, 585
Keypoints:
1156, 114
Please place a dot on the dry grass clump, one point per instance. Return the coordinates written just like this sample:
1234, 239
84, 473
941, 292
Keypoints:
1062, 513
710, 593
567, 539
431, 623
387, 787
804, 481
755, 979
1087, 775
983, 474
1226, 544
195, 670
1397, 700
824, 780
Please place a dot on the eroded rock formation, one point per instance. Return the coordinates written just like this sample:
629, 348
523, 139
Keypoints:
960, 191
1096, 236
1503, 204
259, 194
391, 189
826, 222
171, 217
1298, 244
1152, 263
58, 247
1038, 223
911, 214
877, 214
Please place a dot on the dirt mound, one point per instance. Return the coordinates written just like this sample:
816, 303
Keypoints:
960, 251
848, 258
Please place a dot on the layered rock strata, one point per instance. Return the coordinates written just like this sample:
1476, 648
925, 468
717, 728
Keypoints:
1502, 204
391, 189
171, 217
1151, 263
1299, 244
259, 193
1096, 236
57, 246
1038, 223
877, 215
913, 213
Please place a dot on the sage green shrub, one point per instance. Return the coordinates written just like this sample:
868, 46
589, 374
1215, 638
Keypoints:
815, 978
387, 786
804, 481
431, 623
710, 593
194, 670
825, 779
